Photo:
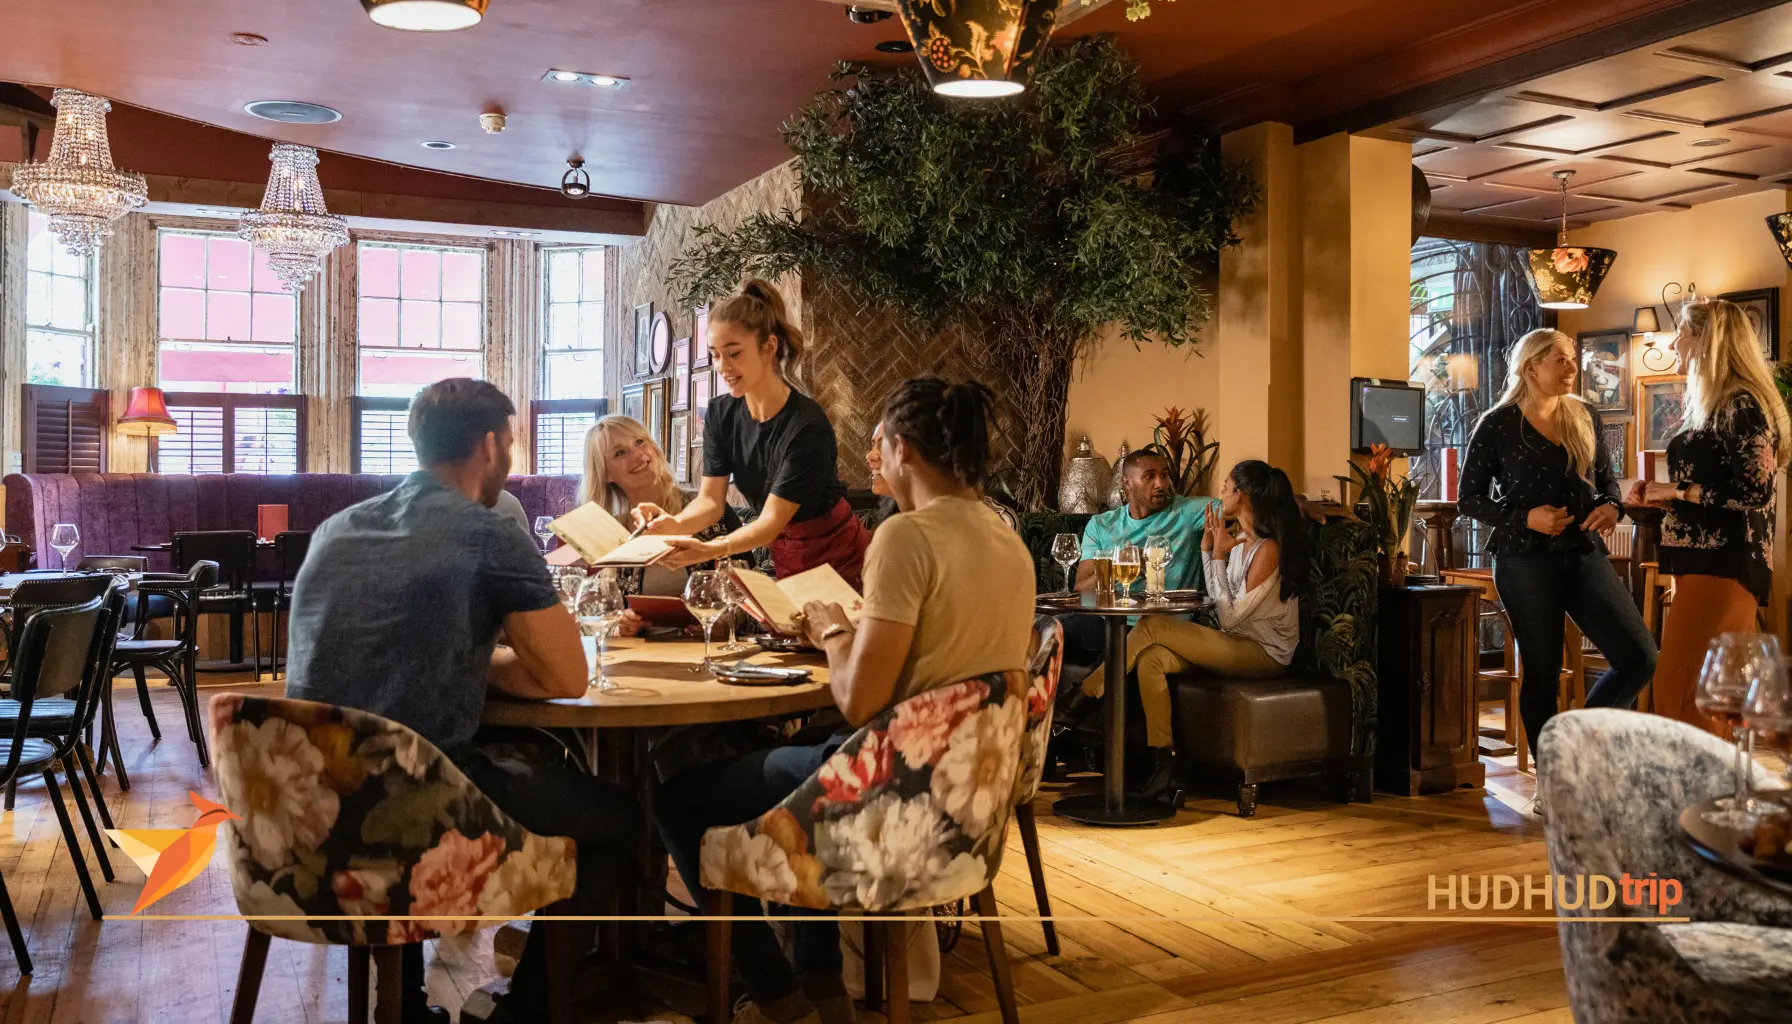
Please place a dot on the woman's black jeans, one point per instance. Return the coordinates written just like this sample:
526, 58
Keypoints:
1538, 588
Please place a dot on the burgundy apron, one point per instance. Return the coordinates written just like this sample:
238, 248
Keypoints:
835, 538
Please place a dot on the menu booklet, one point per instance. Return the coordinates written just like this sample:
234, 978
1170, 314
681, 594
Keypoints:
592, 535
775, 603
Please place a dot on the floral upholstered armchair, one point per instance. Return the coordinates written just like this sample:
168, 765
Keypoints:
345, 813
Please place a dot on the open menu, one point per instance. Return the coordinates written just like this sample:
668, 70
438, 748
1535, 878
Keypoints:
596, 537
775, 603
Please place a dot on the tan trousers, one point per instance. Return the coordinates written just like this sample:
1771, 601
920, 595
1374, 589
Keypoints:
1161, 646
1704, 606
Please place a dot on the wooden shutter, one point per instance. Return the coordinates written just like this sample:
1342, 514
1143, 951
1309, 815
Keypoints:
66, 428
380, 436
557, 431
229, 433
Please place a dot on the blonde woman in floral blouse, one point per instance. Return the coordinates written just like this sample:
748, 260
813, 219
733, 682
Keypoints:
1715, 538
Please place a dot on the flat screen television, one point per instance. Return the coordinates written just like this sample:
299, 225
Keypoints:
1390, 412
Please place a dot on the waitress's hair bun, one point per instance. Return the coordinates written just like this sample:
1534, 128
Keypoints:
759, 309
946, 424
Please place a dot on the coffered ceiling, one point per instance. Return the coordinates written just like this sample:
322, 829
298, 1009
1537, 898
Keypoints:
1702, 116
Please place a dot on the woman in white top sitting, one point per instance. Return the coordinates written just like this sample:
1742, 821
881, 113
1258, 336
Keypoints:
1255, 576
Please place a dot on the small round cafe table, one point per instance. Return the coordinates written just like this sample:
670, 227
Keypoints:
1112, 807
615, 729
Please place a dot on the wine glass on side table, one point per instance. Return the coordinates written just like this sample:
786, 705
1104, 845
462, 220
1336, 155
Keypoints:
1067, 550
703, 595
65, 538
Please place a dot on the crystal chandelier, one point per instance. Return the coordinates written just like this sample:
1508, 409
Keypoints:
78, 186
292, 226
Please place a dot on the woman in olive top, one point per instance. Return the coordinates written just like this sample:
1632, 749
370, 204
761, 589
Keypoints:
776, 445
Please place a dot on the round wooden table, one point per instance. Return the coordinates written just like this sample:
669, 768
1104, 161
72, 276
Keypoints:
1112, 806
1717, 845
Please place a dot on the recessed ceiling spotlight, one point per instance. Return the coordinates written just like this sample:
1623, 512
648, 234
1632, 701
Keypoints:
438, 144
1702, 143
293, 111
561, 76
426, 15
895, 46
248, 39
507, 233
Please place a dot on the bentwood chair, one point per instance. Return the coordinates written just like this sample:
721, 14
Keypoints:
58, 652
376, 775
233, 592
891, 768
176, 658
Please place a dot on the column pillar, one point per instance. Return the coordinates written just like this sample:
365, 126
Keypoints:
126, 332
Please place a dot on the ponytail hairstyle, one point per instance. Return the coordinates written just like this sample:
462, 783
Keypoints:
946, 424
758, 309
1276, 515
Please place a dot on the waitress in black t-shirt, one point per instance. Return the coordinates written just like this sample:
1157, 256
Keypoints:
775, 443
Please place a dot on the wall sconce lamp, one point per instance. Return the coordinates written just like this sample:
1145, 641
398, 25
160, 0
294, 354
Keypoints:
1657, 357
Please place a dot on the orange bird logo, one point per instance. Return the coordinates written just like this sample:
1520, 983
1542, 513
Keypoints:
172, 857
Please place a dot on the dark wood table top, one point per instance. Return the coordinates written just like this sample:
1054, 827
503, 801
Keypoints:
1179, 602
1719, 847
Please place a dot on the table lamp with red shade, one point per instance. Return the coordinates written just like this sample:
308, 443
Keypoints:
147, 414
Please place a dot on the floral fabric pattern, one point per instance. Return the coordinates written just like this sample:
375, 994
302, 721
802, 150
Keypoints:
908, 813
1042, 693
1728, 532
345, 813
1569, 274
978, 39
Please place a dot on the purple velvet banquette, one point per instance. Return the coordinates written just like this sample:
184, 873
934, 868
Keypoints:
116, 510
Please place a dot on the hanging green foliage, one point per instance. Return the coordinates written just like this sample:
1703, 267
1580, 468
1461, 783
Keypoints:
1030, 222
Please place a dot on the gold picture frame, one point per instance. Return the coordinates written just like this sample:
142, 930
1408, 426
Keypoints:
656, 402
1659, 399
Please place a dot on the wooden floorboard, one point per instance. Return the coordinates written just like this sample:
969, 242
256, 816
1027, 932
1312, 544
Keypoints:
1208, 918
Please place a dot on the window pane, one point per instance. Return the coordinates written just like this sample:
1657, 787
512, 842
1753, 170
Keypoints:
563, 276
183, 313
560, 442
65, 262
422, 277
229, 264
183, 260
385, 442
37, 298
461, 324
463, 277
56, 359
563, 325
420, 324
266, 441
70, 303
401, 374
574, 375
379, 323
591, 325
273, 317
379, 272
264, 279
37, 250
244, 369
227, 316
593, 262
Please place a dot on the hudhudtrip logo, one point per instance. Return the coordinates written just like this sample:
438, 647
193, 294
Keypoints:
1552, 892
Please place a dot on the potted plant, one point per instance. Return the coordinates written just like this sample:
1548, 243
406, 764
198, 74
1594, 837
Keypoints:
1182, 441
1390, 502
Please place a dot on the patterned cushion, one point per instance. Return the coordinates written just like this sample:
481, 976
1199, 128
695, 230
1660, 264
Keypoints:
348, 813
908, 813
1042, 693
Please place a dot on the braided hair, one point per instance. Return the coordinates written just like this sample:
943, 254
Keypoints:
946, 424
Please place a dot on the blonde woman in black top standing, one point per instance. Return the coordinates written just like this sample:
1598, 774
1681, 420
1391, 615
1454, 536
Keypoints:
1536, 472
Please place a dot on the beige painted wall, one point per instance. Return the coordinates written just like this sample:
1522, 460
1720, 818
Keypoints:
1120, 387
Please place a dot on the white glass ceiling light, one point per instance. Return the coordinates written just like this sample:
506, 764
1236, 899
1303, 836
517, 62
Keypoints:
426, 15
78, 187
292, 226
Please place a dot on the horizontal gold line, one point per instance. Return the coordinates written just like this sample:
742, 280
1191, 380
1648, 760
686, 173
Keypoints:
917, 917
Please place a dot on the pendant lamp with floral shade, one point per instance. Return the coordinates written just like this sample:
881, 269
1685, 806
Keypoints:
978, 48
1568, 276
1781, 226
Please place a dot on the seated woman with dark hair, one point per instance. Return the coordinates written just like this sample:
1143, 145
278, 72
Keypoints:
948, 596
1255, 575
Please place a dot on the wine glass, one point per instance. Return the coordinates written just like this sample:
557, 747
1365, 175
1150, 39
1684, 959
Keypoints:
567, 580
1157, 557
734, 596
704, 596
600, 608
543, 529
1733, 663
64, 538
1067, 550
1768, 713
1127, 561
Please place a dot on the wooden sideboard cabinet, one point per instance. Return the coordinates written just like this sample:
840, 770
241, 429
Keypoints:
1425, 738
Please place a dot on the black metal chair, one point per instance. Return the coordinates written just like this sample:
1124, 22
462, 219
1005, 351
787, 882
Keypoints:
234, 592
59, 652
177, 658
54, 712
275, 595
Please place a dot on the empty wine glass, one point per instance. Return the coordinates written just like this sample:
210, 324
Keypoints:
600, 605
1734, 663
1768, 714
703, 595
1157, 558
64, 538
1127, 563
544, 530
735, 596
567, 580
1067, 550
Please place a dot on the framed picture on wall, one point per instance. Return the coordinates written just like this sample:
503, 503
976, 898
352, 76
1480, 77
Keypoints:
633, 402
1615, 436
680, 453
700, 336
681, 375
1762, 306
654, 412
701, 382
1605, 369
643, 339
1660, 405
660, 343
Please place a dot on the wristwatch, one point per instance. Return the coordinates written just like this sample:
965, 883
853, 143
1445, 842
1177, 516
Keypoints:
834, 629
